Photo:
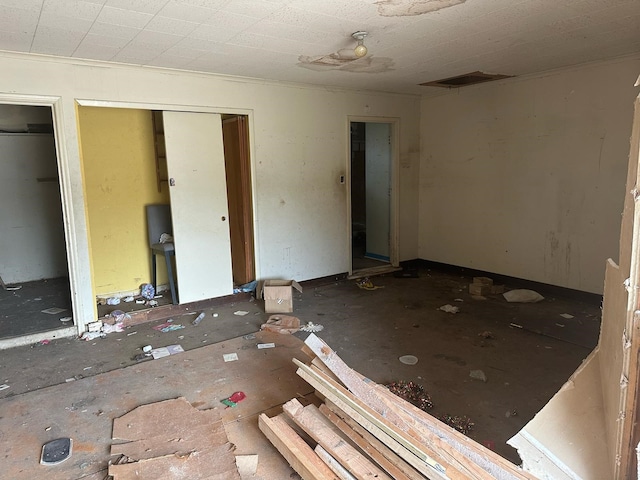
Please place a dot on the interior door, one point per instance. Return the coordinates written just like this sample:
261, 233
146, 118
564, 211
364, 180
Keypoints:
378, 188
198, 192
236, 154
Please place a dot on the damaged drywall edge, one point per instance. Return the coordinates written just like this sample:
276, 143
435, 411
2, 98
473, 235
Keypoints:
543, 463
538, 441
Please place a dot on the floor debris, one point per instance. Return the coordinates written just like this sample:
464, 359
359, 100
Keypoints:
198, 319
281, 324
168, 326
366, 284
151, 450
162, 352
247, 465
266, 345
522, 296
311, 327
241, 313
56, 451
408, 359
449, 308
9, 289
230, 357
234, 399
412, 392
53, 310
478, 375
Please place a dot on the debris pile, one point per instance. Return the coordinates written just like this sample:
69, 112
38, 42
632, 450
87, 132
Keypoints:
364, 430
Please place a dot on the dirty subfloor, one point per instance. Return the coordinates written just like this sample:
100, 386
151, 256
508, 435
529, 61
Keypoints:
526, 351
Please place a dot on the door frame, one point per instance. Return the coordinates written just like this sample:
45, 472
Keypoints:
72, 243
84, 102
394, 123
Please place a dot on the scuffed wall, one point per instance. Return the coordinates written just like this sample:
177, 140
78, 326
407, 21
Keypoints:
299, 148
525, 177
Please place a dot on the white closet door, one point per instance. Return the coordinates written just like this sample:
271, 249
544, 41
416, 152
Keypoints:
198, 191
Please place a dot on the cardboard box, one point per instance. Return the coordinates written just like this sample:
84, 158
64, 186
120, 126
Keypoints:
482, 281
479, 289
278, 295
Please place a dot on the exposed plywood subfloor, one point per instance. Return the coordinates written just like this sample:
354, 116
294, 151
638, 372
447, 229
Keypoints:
84, 410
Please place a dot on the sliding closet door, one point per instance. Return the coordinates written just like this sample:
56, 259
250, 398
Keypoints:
197, 187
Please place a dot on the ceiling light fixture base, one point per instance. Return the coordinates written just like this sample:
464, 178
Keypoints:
360, 50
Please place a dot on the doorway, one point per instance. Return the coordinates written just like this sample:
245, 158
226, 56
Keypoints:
372, 196
137, 157
34, 272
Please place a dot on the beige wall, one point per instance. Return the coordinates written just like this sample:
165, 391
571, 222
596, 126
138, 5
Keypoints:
299, 140
526, 177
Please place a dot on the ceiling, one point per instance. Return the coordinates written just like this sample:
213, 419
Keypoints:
410, 41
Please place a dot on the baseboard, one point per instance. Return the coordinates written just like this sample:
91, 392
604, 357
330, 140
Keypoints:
544, 289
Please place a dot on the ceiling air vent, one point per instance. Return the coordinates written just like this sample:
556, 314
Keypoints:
466, 79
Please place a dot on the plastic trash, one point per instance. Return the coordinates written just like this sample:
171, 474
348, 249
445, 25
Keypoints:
449, 308
234, 399
198, 319
147, 291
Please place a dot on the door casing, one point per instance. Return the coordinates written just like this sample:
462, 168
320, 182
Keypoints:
394, 183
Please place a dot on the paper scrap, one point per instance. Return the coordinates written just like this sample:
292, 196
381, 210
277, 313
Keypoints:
230, 357
53, 310
162, 352
566, 315
4, 386
247, 465
242, 313
266, 345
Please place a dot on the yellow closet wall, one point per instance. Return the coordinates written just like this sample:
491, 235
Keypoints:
118, 160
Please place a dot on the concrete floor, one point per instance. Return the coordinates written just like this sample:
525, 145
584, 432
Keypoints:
370, 330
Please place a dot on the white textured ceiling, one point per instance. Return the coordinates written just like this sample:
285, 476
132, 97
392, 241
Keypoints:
276, 39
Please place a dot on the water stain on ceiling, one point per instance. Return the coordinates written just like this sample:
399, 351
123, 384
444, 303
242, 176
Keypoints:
345, 61
408, 8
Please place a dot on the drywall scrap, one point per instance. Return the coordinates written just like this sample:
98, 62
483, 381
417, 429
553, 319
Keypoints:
172, 436
588, 430
368, 431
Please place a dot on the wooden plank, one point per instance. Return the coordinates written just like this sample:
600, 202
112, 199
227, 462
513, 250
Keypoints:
367, 447
489, 461
299, 455
333, 464
317, 426
478, 461
381, 447
426, 461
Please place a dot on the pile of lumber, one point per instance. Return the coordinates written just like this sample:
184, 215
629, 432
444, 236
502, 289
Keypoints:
363, 431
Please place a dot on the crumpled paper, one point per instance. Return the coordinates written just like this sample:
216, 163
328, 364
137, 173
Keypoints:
281, 324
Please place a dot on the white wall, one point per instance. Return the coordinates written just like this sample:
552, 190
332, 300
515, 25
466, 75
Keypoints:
31, 231
299, 148
526, 177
